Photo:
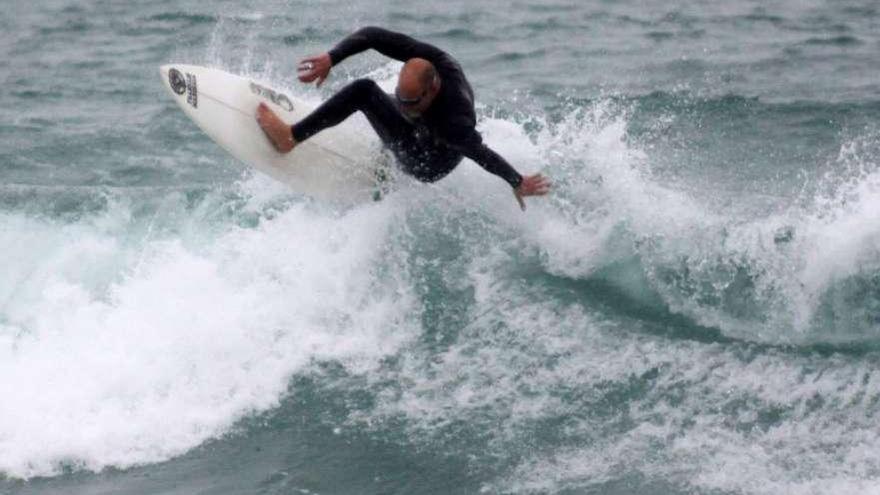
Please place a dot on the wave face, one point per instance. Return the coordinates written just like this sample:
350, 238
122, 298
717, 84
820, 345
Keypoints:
694, 309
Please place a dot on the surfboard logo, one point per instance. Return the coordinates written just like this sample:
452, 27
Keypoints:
275, 97
176, 81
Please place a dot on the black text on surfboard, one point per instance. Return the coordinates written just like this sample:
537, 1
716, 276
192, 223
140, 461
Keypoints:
192, 92
275, 97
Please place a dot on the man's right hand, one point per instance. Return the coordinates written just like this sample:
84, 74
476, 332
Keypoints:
315, 68
532, 185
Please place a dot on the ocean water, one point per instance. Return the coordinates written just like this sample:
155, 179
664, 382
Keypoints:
695, 309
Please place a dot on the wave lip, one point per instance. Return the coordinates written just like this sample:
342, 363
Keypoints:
801, 272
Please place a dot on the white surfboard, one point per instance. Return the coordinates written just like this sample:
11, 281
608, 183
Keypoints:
339, 163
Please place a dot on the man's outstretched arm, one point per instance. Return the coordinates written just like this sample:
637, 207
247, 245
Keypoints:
469, 143
389, 43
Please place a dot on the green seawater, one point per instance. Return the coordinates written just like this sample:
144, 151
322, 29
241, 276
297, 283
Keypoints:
695, 309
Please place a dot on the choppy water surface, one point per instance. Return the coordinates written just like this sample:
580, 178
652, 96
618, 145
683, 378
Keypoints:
696, 308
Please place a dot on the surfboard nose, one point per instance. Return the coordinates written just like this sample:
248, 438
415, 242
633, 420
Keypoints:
173, 79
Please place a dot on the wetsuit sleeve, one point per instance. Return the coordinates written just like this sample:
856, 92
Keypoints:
389, 43
469, 143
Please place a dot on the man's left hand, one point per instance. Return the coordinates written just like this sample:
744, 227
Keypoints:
315, 68
531, 185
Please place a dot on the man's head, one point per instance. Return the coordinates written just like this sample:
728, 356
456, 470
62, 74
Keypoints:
417, 86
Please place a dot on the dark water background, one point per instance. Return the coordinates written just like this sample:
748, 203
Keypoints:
695, 309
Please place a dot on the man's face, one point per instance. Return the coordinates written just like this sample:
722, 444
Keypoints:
414, 99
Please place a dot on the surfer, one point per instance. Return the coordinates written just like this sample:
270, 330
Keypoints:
429, 123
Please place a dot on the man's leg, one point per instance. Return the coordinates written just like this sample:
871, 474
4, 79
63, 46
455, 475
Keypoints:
365, 95
395, 131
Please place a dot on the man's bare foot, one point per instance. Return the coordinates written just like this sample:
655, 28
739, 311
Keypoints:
279, 133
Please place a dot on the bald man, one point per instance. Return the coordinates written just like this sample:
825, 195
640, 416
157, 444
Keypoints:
429, 123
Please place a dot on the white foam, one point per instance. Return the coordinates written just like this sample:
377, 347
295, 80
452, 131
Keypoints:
629, 405
705, 440
104, 365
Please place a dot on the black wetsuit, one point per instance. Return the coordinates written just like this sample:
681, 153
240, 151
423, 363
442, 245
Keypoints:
428, 147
